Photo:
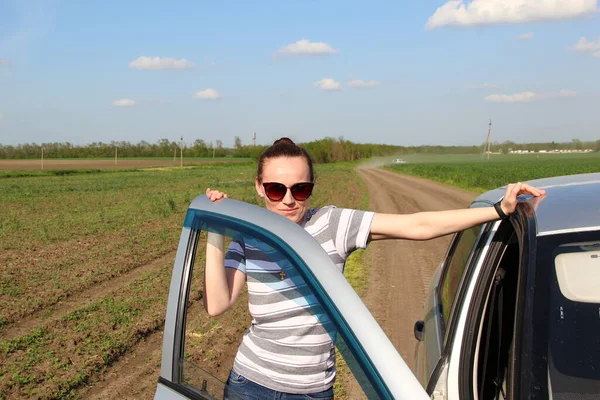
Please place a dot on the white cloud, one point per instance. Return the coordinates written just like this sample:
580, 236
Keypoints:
588, 46
306, 47
484, 12
528, 97
485, 85
511, 98
328, 84
562, 93
526, 36
159, 63
208, 94
357, 83
124, 103
5, 62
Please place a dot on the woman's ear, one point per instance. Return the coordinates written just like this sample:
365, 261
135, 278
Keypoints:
259, 188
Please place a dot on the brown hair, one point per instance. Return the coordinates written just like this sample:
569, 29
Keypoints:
284, 147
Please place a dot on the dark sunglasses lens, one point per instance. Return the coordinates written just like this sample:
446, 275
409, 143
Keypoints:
275, 191
302, 191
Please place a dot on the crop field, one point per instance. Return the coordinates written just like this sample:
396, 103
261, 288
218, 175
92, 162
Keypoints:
85, 265
478, 174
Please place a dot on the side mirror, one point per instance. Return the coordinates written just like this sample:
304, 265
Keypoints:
420, 330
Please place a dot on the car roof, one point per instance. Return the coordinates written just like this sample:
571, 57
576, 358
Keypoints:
571, 204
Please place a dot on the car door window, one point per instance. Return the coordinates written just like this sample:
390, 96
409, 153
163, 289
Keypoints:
210, 344
454, 268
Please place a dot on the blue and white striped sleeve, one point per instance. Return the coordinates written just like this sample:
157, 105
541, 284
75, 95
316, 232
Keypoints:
236, 255
351, 229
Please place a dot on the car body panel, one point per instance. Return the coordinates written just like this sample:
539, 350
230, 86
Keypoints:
578, 192
165, 392
426, 359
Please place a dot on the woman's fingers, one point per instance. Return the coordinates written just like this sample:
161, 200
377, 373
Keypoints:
528, 189
513, 190
214, 195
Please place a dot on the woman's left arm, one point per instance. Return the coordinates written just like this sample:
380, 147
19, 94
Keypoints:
432, 224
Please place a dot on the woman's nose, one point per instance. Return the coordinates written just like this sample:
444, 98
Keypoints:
288, 198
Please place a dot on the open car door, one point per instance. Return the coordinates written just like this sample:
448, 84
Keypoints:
185, 371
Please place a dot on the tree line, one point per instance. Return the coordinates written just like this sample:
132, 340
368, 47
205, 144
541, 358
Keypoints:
323, 151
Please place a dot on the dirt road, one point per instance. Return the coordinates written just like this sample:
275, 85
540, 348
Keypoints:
400, 272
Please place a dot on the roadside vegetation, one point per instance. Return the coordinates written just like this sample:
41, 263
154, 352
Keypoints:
324, 150
477, 174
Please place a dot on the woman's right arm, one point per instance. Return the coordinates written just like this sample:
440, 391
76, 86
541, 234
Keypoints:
222, 286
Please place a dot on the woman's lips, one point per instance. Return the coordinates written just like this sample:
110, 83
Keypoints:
289, 211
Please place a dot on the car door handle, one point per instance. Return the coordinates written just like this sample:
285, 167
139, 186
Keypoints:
420, 330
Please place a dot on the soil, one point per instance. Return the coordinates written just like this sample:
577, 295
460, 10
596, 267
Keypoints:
400, 272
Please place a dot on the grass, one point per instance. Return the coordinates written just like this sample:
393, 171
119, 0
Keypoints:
479, 175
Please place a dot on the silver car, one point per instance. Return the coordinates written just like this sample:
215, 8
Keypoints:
514, 309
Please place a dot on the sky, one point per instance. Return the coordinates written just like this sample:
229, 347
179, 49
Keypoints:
406, 73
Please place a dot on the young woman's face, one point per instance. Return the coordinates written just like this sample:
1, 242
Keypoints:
287, 171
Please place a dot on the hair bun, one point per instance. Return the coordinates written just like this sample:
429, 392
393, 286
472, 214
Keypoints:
284, 140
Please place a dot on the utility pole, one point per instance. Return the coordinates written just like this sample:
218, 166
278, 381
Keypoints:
181, 154
115, 155
487, 140
42, 158
254, 139
174, 153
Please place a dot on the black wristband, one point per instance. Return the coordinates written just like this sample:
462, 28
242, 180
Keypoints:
498, 209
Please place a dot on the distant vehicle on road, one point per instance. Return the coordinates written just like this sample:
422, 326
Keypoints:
399, 161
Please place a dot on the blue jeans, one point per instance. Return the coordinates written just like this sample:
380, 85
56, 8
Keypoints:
239, 387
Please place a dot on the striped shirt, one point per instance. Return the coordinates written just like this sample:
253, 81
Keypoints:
290, 344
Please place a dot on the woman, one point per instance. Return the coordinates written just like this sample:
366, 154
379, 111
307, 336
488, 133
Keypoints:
299, 361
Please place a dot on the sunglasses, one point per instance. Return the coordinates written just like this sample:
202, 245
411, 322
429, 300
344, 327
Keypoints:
276, 191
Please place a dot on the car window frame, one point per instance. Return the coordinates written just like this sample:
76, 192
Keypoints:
477, 308
447, 327
447, 334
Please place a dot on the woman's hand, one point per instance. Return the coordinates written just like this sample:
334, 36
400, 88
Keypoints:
509, 201
214, 195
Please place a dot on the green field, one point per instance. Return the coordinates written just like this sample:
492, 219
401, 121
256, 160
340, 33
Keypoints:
477, 174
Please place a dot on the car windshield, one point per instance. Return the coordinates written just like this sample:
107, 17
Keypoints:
574, 321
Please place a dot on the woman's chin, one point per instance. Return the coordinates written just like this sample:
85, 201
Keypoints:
294, 217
